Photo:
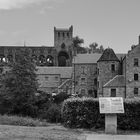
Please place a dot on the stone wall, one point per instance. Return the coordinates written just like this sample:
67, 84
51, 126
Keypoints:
85, 77
131, 70
105, 74
120, 92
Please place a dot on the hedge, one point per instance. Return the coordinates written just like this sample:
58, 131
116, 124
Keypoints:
84, 113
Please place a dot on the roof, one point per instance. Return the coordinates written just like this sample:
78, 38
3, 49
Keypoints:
117, 81
120, 56
86, 58
108, 55
12, 46
65, 72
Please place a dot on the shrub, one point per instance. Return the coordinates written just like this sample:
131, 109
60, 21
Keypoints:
84, 113
130, 120
59, 98
53, 114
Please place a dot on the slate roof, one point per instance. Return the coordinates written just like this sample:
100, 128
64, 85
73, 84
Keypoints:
86, 58
65, 72
117, 81
108, 55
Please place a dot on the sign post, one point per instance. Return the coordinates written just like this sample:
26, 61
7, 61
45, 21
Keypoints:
110, 106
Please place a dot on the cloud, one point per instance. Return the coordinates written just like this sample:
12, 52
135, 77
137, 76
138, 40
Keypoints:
12, 4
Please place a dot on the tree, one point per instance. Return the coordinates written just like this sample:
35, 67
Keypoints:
77, 44
19, 85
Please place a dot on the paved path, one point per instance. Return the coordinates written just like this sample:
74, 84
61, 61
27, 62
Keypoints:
112, 137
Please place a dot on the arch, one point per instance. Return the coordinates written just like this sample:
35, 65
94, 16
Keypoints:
10, 58
2, 58
34, 58
42, 60
50, 60
62, 58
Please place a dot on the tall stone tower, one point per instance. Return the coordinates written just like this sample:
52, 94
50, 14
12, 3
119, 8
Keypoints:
63, 46
108, 68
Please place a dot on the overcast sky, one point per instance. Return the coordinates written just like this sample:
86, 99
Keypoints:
113, 23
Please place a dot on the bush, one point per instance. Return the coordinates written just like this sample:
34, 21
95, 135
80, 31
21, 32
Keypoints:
84, 113
130, 120
53, 114
59, 98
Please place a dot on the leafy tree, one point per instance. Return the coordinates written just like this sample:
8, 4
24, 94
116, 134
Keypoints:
19, 85
77, 45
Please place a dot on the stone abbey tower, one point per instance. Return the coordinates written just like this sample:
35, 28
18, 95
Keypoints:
63, 46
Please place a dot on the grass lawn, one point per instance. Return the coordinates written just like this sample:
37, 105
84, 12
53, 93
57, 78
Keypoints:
52, 132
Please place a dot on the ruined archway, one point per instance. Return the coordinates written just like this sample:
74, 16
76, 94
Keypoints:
62, 58
42, 60
10, 58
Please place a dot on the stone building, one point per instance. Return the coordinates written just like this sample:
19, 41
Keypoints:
85, 74
54, 63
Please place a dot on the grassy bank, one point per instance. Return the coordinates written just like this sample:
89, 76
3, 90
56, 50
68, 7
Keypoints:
21, 121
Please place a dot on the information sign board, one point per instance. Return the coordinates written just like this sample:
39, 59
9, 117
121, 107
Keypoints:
111, 105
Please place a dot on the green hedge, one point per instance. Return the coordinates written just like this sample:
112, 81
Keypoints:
84, 113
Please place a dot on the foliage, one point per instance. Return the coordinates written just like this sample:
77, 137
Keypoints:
59, 98
19, 85
84, 113
53, 114
20, 121
130, 119
81, 113
77, 45
95, 48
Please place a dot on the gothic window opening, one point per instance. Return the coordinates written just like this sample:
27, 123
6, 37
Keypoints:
10, 58
42, 60
68, 35
50, 60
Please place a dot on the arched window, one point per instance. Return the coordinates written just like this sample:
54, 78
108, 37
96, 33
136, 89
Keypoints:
42, 60
50, 60
10, 58
2, 58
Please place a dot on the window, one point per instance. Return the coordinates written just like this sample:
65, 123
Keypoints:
63, 34
136, 62
58, 34
83, 91
56, 78
68, 35
98, 71
46, 78
83, 80
113, 93
113, 67
136, 90
95, 81
136, 77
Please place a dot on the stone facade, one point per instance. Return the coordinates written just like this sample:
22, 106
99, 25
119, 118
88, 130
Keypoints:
120, 91
105, 73
132, 70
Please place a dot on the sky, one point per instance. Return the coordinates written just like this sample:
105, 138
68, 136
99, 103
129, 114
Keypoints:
111, 23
